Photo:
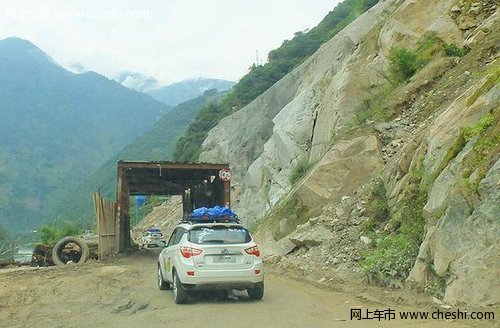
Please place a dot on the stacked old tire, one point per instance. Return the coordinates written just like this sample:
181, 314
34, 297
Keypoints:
62, 254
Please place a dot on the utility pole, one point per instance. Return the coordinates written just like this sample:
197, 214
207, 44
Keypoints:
257, 58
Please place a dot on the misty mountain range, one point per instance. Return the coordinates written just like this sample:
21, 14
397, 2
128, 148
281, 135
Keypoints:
56, 129
175, 93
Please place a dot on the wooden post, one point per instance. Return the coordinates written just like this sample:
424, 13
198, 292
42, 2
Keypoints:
185, 203
125, 233
119, 209
227, 193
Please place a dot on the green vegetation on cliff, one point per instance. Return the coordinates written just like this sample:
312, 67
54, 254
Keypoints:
403, 64
300, 170
485, 149
261, 77
391, 260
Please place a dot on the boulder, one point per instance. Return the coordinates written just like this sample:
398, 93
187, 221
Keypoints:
347, 166
314, 236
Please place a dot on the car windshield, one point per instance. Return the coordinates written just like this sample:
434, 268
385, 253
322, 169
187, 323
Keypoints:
219, 235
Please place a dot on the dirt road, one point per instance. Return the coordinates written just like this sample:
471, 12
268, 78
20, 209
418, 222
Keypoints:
124, 294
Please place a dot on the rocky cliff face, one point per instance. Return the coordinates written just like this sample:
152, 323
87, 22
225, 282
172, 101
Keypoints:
294, 120
435, 153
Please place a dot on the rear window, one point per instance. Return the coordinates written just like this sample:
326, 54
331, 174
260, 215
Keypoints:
219, 235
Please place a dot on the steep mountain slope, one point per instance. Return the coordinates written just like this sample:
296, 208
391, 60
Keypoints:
155, 144
378, 156
56, 128
179, 92
261, 77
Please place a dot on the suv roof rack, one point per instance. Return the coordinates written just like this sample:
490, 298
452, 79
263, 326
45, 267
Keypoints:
216, 214
207, 219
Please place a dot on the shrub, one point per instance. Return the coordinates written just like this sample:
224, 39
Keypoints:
485, 149
377, 206
374, 107
50, 234
427, 48
453, 51
392, 259
300, 170
484, 123
403, 64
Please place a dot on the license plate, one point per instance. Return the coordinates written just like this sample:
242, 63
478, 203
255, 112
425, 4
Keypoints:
224, 259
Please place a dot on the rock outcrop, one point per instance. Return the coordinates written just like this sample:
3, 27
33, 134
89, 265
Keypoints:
348, 165
436, 132
296, 119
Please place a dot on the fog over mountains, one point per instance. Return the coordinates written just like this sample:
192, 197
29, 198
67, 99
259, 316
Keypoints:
56, 128
175, 93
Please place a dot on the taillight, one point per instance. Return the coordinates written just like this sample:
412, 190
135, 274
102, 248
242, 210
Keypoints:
187, 252
253, 251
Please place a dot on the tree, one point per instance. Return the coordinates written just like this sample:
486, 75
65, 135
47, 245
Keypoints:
50, 234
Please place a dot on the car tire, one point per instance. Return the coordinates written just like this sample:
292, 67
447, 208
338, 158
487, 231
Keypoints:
162, 284
180, 294
257, 292
57, 250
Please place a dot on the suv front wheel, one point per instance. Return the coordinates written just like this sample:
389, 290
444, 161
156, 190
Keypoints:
257, 292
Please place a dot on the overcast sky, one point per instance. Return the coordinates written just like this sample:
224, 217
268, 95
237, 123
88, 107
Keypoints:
170, 40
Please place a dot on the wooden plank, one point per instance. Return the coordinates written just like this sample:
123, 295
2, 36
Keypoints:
105, 216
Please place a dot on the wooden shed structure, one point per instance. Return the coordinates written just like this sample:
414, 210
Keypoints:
200, 184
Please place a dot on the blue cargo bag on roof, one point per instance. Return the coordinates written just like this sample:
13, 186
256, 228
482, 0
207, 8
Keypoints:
213, 212
199, 212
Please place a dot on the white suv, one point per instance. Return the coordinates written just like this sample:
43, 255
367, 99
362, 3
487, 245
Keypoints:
210, 256
152, 237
